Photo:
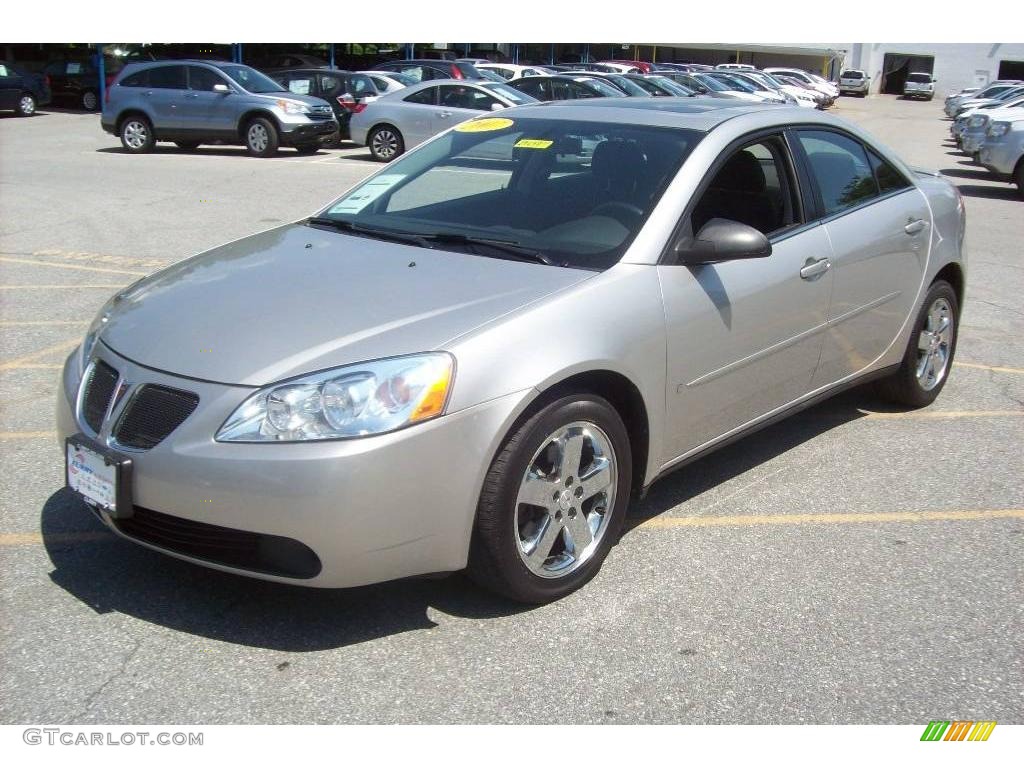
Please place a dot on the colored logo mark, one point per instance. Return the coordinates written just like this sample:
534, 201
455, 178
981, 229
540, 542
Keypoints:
958, 730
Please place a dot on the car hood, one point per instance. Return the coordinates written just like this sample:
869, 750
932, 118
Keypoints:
304, 98
296, 299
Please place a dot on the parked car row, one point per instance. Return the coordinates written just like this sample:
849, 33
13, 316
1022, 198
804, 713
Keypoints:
988, 125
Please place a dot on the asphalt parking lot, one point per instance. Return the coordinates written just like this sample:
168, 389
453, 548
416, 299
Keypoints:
850, 565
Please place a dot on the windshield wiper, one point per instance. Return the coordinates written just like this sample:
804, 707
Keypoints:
508, 248
343, 225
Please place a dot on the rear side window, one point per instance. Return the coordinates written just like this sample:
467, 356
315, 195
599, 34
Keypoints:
841, 169
426, 96
3, 71
889, 179
137, 80
167, 77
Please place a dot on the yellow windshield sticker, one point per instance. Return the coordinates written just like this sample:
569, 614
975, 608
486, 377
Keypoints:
533, 143
487, 124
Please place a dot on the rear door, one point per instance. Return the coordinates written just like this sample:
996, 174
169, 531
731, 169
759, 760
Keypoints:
165, 97
879, 225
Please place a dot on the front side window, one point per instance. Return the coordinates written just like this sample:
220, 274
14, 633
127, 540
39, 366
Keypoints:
538, 89
574, 192
840, 167
202, 79
753, 187
167, 77
465, 97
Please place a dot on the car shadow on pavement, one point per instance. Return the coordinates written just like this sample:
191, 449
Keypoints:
968, 173
1005, 192
112, 575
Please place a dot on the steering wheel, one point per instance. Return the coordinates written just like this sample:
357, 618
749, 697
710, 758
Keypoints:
627, 214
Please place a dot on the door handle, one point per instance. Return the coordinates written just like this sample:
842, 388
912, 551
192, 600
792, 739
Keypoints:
914, 226
444, 114
814, 267
191, 96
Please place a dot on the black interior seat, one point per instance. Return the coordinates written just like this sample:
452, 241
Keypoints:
739, 193
618, 168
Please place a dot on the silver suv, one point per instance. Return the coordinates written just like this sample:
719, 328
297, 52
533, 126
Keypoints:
204, 102
1003, 150
854, 81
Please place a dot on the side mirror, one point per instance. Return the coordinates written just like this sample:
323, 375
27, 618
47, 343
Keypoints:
723, 240
496, 105
221, 88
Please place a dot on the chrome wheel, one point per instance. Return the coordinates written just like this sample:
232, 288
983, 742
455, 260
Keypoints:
135, 134
26, 105
565, 500
258, 137
89, 100
933, 345
384, 144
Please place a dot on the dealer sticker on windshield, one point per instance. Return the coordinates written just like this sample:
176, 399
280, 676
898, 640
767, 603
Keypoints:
487, 124
367, 193
533, 143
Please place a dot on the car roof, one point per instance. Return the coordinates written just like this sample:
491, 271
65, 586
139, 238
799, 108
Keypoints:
695, 113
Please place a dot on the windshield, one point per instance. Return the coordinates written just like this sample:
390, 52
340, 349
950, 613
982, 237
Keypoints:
569, 192
602, 87
626, 85
735, 83
671, 86
712, 83
509, 93
250, 79
917, 77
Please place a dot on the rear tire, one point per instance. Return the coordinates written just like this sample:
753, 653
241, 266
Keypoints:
261, 138
385, 143
137, 134
26, 105
930, 350
553, 501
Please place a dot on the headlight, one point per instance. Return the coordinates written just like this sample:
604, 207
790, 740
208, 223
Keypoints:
91, 337
354, 401
293, 107
998, 129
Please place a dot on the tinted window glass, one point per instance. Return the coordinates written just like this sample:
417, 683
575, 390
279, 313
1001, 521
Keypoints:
3, 71
752, 187
331, 85
426, 96
138, 80
358, 84
889, 179
201, 79
840, 166
465, 97
167, 77
535, 88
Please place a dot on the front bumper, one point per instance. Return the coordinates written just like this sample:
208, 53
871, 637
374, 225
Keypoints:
371, 509
307, 132
999, 157
972, 141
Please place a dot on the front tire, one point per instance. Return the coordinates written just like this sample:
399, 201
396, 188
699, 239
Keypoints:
385, 143
553, 502
1018, 179
261, 139
930, 350
26, 105
137, 134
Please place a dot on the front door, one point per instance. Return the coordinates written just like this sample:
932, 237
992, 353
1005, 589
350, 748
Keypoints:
204, 111
744, 336
879, 225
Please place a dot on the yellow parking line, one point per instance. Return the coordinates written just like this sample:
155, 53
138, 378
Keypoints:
848, 517
73, 537
70, 286
19, 323
997, 368
21, 362
39, 263
26, 435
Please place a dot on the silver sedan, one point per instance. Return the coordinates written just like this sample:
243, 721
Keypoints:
477, 357
401, 120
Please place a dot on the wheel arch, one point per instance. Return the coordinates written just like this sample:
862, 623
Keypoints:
953, 274
132, 112
248, 116
623, 395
